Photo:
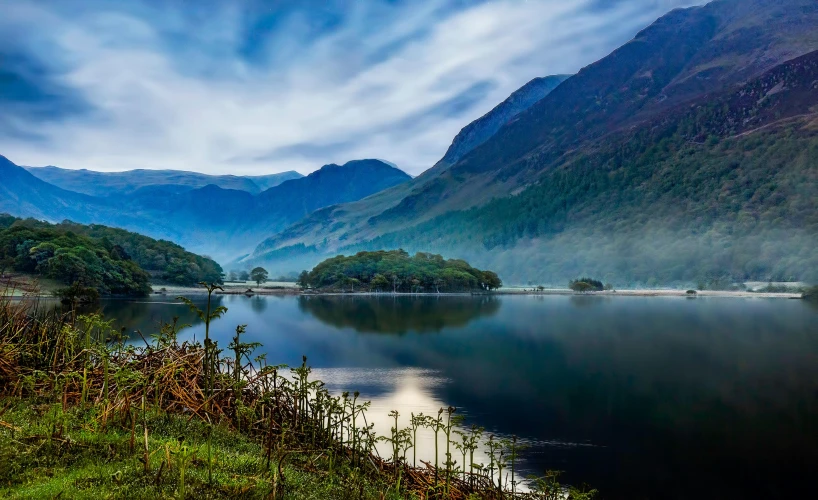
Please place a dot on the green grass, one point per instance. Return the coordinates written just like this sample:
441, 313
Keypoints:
56, 454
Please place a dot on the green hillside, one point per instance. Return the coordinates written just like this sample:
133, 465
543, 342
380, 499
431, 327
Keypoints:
113, 261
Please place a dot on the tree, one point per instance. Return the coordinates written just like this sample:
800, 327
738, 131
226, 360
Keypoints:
580, 286
491, 281
233, 276
5, 263
259, 275
379, 282
583, 285
303, 280
244, 276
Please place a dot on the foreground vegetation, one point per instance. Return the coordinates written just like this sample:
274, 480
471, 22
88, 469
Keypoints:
396, 271
109, 260
84, 413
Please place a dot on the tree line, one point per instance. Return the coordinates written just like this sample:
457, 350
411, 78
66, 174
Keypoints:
396, 271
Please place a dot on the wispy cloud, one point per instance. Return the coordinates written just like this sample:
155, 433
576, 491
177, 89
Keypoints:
258, 87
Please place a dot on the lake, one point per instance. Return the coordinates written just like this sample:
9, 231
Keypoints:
640, 397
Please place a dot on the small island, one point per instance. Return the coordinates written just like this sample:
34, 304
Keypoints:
396, 271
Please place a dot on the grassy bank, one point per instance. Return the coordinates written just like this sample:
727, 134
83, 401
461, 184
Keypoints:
84, 413
48, 451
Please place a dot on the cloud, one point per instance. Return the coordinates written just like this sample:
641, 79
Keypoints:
260, 87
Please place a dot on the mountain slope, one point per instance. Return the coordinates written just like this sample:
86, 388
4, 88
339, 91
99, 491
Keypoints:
480, 130
118, 183
21, 193
684, 59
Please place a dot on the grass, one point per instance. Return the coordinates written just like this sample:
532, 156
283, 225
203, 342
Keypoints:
46, 452
84, 414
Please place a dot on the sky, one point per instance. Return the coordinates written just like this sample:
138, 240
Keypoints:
256, 87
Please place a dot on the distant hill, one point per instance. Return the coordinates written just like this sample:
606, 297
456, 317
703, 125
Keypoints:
117, 183
645, 166
223, 223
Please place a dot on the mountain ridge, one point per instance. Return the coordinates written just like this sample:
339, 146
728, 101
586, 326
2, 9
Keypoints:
103, 184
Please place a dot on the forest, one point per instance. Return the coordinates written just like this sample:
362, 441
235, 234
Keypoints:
164, 260
112, 261
397, 271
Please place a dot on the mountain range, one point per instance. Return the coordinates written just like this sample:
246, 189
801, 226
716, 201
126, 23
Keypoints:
211, 219
688, 154
118, 183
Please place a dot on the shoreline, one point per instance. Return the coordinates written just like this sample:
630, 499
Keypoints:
290, 289
642, 292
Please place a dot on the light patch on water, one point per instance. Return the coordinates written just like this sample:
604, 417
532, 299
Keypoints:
411, 391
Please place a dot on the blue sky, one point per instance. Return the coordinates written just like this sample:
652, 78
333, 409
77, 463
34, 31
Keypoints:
254, 87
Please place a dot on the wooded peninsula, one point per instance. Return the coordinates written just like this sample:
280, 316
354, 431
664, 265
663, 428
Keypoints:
396, 271
105, 259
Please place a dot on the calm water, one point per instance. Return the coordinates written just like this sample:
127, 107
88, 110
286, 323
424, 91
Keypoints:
639, 397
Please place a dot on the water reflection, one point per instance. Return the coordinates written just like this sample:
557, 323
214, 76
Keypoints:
146, 315
408, 391
398, 314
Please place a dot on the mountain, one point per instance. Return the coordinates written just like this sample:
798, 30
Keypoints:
573, 183
236, 218
222, 223
118, 183
330, 185
21, 193
480, 130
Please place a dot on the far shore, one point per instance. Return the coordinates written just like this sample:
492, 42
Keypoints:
275, 288
292, 289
